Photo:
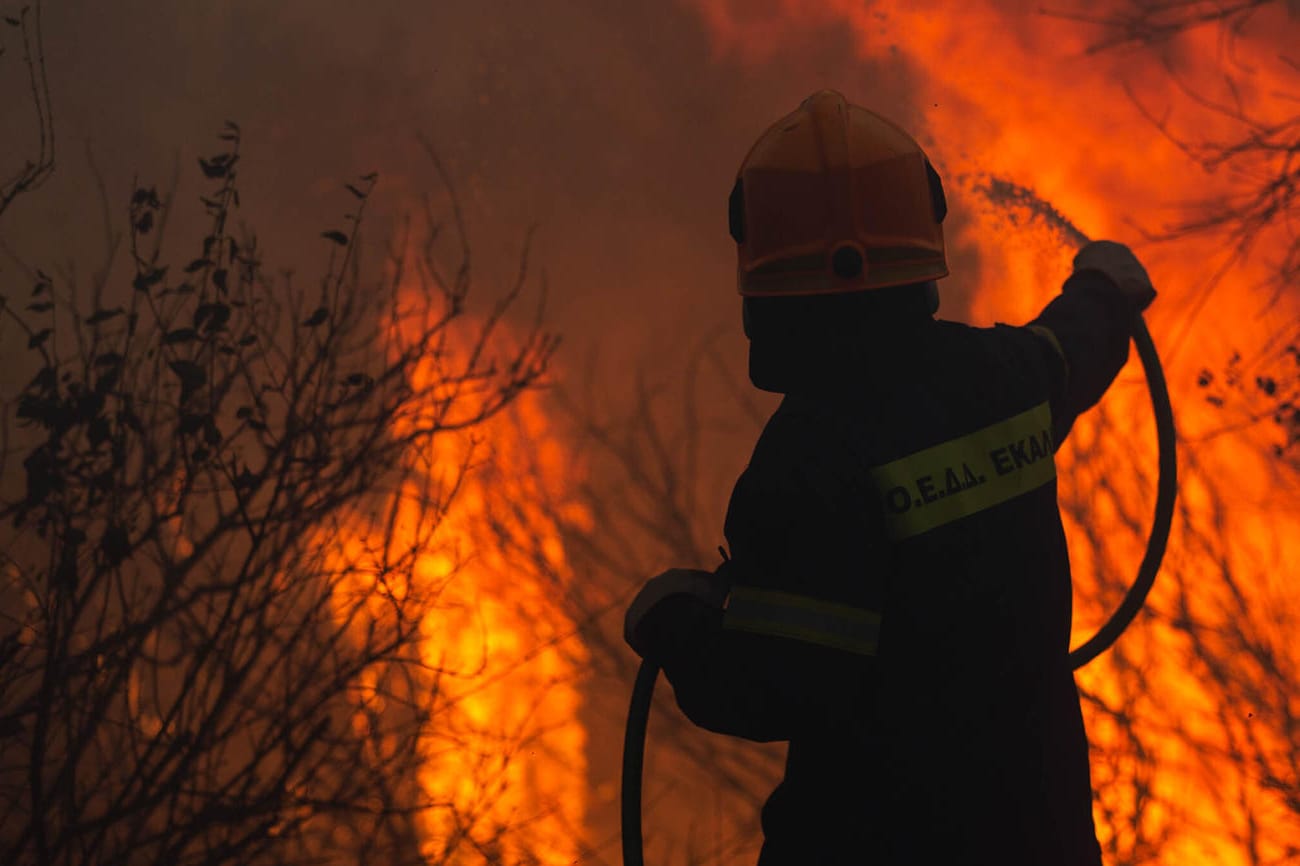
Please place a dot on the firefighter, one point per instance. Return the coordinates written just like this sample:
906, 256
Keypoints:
896, 604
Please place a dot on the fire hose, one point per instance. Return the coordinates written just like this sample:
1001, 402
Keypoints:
638, 715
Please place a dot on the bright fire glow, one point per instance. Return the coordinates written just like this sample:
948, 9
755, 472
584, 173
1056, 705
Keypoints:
504, 760
1186, 770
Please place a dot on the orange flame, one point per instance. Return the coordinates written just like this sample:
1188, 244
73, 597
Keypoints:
503, 757
1009, 93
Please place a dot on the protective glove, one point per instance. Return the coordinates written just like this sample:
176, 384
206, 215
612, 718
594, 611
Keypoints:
639, 627
1117, 263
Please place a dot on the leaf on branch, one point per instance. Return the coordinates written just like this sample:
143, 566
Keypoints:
146, 280
337, 236
192, 422
115, 544
370, 178
356, 379
43, 476
128, 418
35, 340
88, 404
212, 317
105, 383
142, 197
41, 285
108, 359
41, 307
104, 315
197, 265
144, 223
215, 168
99, 430
356, 192
219, 279
245, 480
191, 375
180, 335
46, 380
11, 21
248, 339
317, 317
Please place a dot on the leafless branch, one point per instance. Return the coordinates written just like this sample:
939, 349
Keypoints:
215, 648
36, 170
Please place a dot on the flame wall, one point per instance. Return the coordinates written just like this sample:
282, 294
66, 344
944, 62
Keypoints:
469, 545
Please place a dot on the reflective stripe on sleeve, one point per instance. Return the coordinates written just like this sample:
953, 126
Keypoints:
963, 476
812, 620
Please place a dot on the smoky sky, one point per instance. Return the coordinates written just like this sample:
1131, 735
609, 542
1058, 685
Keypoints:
612, 128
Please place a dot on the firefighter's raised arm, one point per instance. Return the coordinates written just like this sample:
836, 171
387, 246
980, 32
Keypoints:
1089, 323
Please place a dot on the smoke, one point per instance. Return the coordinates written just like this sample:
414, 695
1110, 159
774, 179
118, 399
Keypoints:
616, 130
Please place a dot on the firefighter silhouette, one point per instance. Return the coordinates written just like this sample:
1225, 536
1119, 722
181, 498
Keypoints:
896, 604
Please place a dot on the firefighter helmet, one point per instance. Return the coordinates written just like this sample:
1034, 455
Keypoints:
834, 198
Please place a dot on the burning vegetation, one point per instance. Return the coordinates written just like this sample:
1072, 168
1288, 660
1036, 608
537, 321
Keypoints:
315, 574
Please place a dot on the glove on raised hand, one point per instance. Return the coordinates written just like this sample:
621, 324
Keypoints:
1117, 263
705, 587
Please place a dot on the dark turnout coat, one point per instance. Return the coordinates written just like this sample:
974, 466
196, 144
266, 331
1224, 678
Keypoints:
901, 598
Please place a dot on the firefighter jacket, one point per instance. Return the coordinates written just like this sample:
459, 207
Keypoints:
901, 598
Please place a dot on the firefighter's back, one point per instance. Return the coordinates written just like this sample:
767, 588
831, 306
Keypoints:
927, 491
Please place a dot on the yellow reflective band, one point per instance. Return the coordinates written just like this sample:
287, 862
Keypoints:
968, 474
811, 620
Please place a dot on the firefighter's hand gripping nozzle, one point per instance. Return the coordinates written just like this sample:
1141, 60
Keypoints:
650, 613
645, 615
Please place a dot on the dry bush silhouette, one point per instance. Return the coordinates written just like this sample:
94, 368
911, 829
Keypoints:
194, 666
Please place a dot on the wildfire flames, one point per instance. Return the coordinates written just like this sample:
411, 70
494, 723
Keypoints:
505, 641
503, 767
1075, 129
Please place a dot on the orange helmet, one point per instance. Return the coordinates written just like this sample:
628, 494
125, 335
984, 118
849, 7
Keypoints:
834, 198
